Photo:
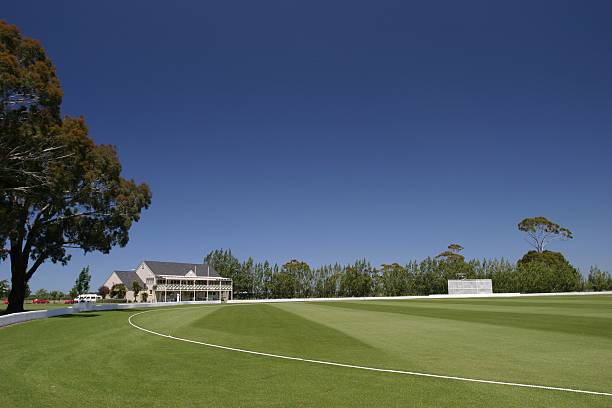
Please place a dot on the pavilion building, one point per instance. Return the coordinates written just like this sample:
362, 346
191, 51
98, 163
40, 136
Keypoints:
173, 282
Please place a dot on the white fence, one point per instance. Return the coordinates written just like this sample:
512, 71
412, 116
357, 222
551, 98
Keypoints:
91, 307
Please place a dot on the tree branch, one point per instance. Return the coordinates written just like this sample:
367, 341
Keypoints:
35, 266
35, 225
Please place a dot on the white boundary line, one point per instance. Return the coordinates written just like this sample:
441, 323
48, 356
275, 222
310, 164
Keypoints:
331, 363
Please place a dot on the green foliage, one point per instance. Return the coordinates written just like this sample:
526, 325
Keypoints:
394, 280
103, 291
136, 288
429, 277
598, 280
452, 264
118, 291
547, 272
283, 285
81, 285
540, 231
327, 280
357, 280
228, 266
502, 273
538, 272
452, 254
42, 294
57, 295
302, 275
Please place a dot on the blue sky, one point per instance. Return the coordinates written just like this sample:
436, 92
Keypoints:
329, 131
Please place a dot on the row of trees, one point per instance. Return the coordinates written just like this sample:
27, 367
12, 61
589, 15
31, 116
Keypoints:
535, 272
539, 271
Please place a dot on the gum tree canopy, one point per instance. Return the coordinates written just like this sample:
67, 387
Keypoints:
58, 189
540, 231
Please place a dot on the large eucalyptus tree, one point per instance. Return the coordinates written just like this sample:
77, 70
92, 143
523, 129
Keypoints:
58, 188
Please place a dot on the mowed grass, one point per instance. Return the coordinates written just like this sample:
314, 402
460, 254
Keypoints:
99, 359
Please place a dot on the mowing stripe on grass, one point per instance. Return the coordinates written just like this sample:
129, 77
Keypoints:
331, 363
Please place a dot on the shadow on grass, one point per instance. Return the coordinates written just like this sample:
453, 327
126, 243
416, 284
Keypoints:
68, 316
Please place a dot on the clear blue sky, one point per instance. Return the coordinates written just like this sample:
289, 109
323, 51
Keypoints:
329, 131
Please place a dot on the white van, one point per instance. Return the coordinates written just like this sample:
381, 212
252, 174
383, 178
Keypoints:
87, 297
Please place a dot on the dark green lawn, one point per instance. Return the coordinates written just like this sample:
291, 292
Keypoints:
99, 359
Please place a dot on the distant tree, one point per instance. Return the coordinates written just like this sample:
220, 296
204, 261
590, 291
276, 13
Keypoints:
502, 273
598, 280
247, 278
56, 295
228, 266
394, 280
302, 275
118, 291
260, 273
136, 288
41, 294
73, 293
81, 285
357, 280
453, 264
283, 285
453, 253
5, 288
327, 280
541, 231
103, 291
431, 276
547, 272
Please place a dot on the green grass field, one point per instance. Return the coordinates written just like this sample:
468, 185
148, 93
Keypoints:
99, 359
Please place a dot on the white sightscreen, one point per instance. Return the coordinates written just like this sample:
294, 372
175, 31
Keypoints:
470, 287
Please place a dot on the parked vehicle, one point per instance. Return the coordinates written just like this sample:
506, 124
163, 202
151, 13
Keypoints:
69, 301
87, 297
40, 301
5, 301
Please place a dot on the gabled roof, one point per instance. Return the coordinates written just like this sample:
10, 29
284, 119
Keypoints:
128, 278
180, 268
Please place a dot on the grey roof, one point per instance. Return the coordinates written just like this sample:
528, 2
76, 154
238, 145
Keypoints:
180, 268
128, 278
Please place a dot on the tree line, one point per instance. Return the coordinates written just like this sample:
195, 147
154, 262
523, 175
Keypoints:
538, 271
296, 279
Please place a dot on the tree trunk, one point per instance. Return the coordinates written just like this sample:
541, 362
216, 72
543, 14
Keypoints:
18, 281
18, 287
